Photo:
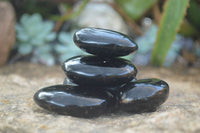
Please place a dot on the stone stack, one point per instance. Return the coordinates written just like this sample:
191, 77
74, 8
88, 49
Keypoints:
102, 83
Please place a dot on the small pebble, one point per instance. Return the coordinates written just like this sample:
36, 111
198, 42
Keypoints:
104, 43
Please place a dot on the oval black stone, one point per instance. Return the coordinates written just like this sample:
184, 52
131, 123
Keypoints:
95, 71
76, 101
103, 42
143, 95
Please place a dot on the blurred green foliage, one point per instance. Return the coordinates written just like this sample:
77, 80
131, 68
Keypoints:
187, 29
65, 48
193, 13
171, 22
136, 8
169, 25
146, 42
34, 37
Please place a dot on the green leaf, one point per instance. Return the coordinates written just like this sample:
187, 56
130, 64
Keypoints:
48, 26
24, 19
171, 20
32, 24
61, 49
136, 8
25, 49
44, 49
51, 36
36, 42
22, 37
65, 38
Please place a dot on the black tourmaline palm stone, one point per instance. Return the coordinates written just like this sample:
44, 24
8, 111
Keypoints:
143, 95
95, 71
104, 43
76, 101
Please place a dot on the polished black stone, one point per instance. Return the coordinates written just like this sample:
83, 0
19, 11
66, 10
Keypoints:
95, 71
76, 101
68, 82
104, 42
143, 95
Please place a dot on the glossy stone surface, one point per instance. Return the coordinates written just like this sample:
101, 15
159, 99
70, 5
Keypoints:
68, 82
94, 71
143, 95
76, 101
105, 43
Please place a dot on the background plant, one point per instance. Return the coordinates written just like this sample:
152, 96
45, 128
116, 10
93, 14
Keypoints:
169, 25
34, 37
65, 48
169, 21
169, 17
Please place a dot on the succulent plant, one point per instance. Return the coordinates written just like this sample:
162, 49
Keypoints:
34, 36
66, 47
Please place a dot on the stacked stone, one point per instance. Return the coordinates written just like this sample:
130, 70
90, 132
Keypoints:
102, 82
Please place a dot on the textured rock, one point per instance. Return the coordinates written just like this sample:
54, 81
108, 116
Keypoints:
20, 114
94, 71
143, 95
7, 27
76, 101
104, 42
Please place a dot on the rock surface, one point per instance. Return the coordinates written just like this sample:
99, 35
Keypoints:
7, 28
20, 114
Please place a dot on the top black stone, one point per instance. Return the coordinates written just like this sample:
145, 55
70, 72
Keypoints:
105, 43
